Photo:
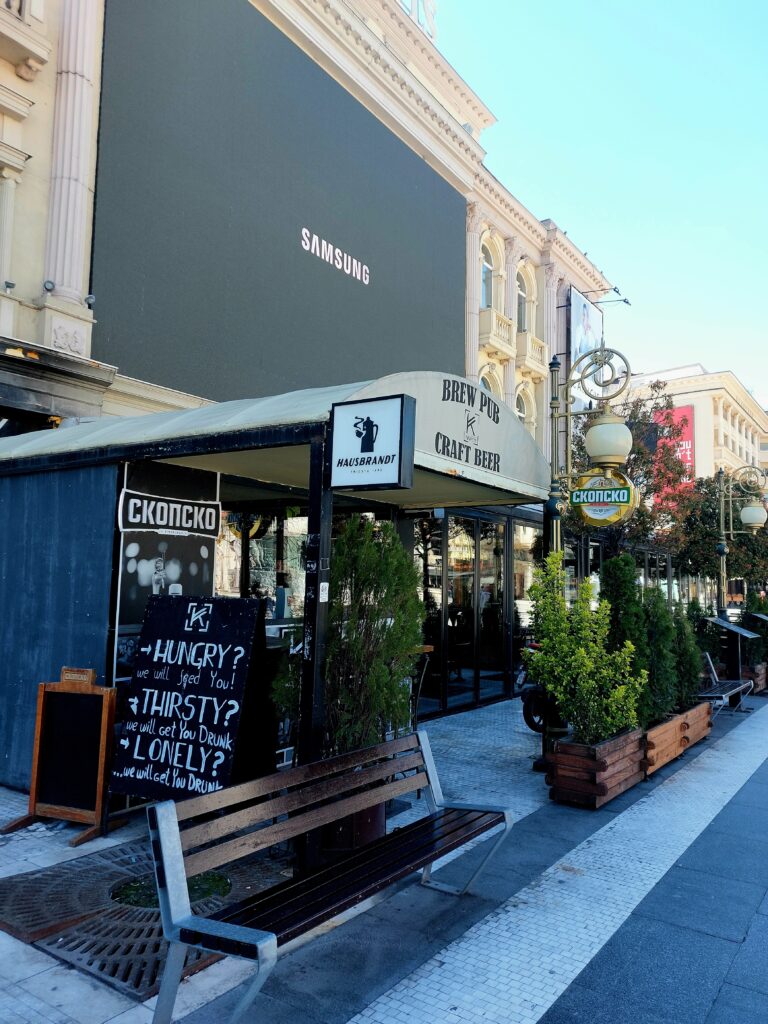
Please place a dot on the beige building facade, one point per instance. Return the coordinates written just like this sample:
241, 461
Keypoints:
385, 54
729, 427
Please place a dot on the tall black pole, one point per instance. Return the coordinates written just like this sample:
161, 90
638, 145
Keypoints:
554, 506
722, 551
312, 704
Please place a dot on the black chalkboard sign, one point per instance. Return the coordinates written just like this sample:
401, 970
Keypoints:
181, 710
73, 734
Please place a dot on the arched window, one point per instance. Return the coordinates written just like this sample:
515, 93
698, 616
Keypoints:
522, 303
486, 292
526, 411
489, 383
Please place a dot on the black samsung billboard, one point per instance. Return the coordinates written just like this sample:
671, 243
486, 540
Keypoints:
257, 230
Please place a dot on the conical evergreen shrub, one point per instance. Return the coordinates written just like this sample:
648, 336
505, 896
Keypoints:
687, 660
660, 695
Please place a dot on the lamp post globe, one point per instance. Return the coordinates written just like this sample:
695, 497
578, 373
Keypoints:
608, 440
753, 515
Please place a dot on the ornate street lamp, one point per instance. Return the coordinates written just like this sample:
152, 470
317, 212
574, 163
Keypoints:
601, 375
745, 487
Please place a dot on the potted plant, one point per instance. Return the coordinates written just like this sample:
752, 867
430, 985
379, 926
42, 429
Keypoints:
596, 689
665, 646
756, 649
374, 632
676, 732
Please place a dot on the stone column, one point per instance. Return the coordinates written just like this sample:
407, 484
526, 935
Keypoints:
513, 253
719, 415
552, 276
8, 183
72, 145
472, 326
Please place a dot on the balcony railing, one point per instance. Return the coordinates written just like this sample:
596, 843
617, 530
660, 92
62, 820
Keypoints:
531, 355
21, 44
496, 333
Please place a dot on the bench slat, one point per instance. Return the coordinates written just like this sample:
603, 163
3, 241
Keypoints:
304, 797
294, 908
279, 781
416, 844
235, 849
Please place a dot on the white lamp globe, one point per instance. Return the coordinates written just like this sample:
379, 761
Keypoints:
753, 515
608, 440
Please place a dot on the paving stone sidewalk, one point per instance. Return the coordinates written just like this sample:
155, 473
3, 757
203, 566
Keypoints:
669, 883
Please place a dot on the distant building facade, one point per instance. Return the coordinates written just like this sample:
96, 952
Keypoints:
726, 426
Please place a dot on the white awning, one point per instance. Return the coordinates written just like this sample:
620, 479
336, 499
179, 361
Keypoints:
470, 448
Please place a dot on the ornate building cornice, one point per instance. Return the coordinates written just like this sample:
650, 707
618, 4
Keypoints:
350, 51
424, 52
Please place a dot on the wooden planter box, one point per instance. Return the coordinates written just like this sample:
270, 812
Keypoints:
590, 775
757, 674
665, 742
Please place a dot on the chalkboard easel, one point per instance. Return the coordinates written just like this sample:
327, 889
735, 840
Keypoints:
73, 736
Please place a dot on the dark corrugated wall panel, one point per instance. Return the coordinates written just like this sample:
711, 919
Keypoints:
56, 544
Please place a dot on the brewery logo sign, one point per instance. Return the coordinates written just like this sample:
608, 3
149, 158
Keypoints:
604, 500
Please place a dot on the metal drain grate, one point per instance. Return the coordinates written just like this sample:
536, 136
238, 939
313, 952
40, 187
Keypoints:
40, 903
124, 946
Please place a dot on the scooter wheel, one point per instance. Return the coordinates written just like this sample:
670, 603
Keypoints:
534, 705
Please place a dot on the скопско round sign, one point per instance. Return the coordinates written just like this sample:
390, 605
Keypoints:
604, 500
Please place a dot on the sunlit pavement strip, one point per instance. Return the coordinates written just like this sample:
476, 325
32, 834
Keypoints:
513, 965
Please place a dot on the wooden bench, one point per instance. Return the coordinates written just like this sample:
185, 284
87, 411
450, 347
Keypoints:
724, 693
211, 831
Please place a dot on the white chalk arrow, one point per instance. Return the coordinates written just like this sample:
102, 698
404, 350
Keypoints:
125, 743
134, 702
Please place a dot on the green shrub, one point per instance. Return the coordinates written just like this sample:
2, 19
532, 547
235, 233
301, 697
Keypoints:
660, 695
596, 689
687, 661
706, 634
756, 649
619, 587
374, 630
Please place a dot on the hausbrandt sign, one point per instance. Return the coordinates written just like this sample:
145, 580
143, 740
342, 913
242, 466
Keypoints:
138, 512
372, 446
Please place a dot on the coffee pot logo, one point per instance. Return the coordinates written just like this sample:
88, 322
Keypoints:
367, 431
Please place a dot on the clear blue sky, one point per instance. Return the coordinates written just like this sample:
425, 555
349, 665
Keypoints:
641, 130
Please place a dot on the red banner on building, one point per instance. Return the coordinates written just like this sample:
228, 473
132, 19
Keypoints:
685, 443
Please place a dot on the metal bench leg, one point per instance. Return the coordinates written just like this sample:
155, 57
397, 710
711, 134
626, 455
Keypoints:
493, 848
267, 960
426, 872
174, 965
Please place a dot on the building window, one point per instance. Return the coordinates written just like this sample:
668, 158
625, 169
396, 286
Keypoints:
522, 303
489, 383
526, 411
486, 293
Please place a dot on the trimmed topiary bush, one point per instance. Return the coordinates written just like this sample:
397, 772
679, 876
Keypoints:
619, 587
374, 631
687, 661
660, 695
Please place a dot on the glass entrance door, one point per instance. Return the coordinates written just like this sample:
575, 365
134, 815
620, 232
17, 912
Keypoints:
491, 647
460, 612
